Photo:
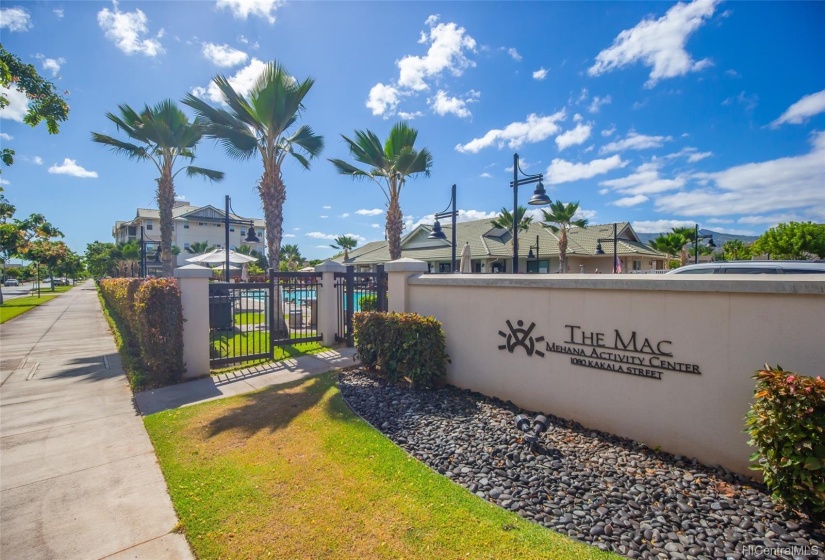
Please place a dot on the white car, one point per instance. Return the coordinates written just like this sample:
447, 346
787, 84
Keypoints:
753, 267
11, 282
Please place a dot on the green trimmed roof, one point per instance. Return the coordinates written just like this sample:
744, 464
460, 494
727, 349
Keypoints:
487, 242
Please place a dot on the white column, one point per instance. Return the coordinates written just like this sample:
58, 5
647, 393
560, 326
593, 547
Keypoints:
328, 301
398, 271
193, 280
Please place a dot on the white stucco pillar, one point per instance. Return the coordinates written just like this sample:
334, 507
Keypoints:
193, 280
398, 271
328, 301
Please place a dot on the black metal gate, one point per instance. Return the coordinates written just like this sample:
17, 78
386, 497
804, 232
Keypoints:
248, 320
358, 291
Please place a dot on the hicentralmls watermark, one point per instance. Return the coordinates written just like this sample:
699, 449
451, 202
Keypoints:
794, 551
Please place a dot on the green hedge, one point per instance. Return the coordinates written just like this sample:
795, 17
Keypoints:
368, 303
402, 345
151, 312
787, 425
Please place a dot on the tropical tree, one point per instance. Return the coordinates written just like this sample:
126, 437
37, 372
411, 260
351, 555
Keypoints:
345, 243
389, 167
198, 247
670, 244
504, 220
247, 250
736, 250
291, 257
99, 258
792, 240
16, 236
46, 253
559, 220
689, 234
260, 124
163, 135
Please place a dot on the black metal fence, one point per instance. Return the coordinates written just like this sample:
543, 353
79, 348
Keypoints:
248, 320
358, 291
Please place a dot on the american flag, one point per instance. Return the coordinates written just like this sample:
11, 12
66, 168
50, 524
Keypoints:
618, 265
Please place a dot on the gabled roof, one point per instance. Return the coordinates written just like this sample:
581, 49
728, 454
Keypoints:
488, 242
193, 213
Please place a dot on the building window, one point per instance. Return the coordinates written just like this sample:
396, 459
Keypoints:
231, 228
218, 225
186, 245
444, 267
132, 230
148, 225
499, 267
243, 231
637, 265
185, 226
200, 223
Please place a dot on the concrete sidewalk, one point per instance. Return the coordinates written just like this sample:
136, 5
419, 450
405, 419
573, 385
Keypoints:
78, 474
243, 381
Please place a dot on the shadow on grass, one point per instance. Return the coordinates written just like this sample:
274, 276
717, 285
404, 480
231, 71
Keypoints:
274, 408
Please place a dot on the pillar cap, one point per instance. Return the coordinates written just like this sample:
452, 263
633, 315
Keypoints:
193, 271
406, 265
330, 266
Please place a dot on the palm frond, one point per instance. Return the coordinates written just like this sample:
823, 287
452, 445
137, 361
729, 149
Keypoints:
211, 174
345, 168
128, 149
307, 140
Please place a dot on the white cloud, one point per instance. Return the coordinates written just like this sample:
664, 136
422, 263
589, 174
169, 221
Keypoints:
50, 64
789, 183
70, 167
6, 137
803, 109
540, 74
447, 53
18, 104
699, 156
573, 137
658, 44
630, 201
635, 141
345, 215
323, 217
289, 235
58, 12
242, 82
442, 105
15, 19
126, 31
608, 132
332, 236
4, 182
604, 191
37, 160
645, 181
223, 55
749, 102
410, 116
375, 225
486, 175
373, 212
180, 197
770, 220
383, 100
470, 215
327, 207
561, 171
242, 9
534, 129
692, 154
514, 54
732, 231
660, 226
597, 103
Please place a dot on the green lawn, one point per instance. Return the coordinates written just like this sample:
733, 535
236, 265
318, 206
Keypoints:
291, 472
255, 341
17, 306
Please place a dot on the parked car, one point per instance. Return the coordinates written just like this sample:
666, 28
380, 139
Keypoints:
753, 267
60, 282
11, 282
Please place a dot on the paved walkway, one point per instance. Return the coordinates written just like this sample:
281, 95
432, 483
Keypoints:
78, 474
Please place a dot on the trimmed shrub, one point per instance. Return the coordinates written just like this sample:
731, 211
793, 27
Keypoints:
368, 303
402, 345
150, 317
787, 426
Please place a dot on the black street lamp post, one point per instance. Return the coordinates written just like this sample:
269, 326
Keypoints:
696, 238
530, 255
250, 236
539, 198
143, 244
600, 251
438, 233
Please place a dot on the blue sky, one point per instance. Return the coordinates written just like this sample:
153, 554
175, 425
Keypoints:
658, 113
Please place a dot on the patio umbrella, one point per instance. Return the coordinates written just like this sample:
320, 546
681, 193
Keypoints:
466, 266
245, 272
218, 256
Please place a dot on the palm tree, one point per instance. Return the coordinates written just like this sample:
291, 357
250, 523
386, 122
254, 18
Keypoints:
563, 215
162, 134
345, 243
130, 255
736, 250
390, 165
258, 124
198, 247
689, 234
291, 255
670, 244
504, 220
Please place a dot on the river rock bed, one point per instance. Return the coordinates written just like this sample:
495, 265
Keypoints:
608, 491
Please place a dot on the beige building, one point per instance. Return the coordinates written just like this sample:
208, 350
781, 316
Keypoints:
492, 249
192, 224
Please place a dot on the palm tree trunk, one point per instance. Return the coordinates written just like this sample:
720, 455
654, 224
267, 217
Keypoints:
395, 225
563, 252
166, 201
273, 195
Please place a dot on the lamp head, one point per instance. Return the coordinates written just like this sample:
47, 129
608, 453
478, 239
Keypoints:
711, 244
437, 232
530, 255
251, 237
599, 250
157, 256
540, 197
